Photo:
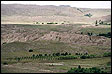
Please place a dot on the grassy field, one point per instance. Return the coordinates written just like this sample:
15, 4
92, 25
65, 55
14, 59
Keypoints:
96, 31
58, 28
21, 49
55, 66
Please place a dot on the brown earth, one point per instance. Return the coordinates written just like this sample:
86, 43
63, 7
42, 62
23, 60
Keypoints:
13, 33
18, 13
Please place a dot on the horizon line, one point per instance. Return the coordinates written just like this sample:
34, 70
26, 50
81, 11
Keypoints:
54, 5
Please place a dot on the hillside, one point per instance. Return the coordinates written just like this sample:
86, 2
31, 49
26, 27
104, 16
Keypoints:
14, 13
54, 39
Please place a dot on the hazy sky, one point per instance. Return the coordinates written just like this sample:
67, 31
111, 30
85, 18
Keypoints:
80, 4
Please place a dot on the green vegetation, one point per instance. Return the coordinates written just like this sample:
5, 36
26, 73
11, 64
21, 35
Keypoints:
80, 10
106, 35
67, 64
107, 54
45, 47
47, 28
46, 23
100, 22
89, 15
96, 31
55, 56
85, 70
30, 50
52, 23
42, 52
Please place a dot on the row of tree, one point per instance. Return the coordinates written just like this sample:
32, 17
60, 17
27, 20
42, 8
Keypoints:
53, 54
60, 56
48, 23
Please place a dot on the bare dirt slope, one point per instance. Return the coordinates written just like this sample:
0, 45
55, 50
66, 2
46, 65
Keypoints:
11, 33
18, 13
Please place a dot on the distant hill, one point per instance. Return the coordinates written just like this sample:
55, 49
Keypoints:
49, 13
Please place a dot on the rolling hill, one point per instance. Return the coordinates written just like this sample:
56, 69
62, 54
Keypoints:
48, 13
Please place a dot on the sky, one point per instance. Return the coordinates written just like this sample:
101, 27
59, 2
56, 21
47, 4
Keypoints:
79, 4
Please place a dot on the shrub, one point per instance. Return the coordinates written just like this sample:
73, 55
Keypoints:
85, 70
45, 55
5, 63
83, 57
57, 54
67, 57
53, 54
87, 56
4, 43
49, 54
89, 15
77, 53
107, 54
90, 34
66, 53
50, 23
37, 22
69, 54
33, 55
96, 22
40, 54
30, 50
81, 32
106, 35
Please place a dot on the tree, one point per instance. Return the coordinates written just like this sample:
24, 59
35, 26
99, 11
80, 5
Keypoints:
37, 22
66, 53
30, 50
69, 53
57, 54
33, 56
45, 55
83, 57
53, 54
49, 54
40, 54
18, 59
79, 67
86, 53
81, 32
89, 34
5, 63
76, 53
96, 22
62, 54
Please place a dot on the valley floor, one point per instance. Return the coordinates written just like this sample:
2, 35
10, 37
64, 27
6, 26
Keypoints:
55, 66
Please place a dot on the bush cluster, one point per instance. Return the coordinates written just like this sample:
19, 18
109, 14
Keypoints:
85, 70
